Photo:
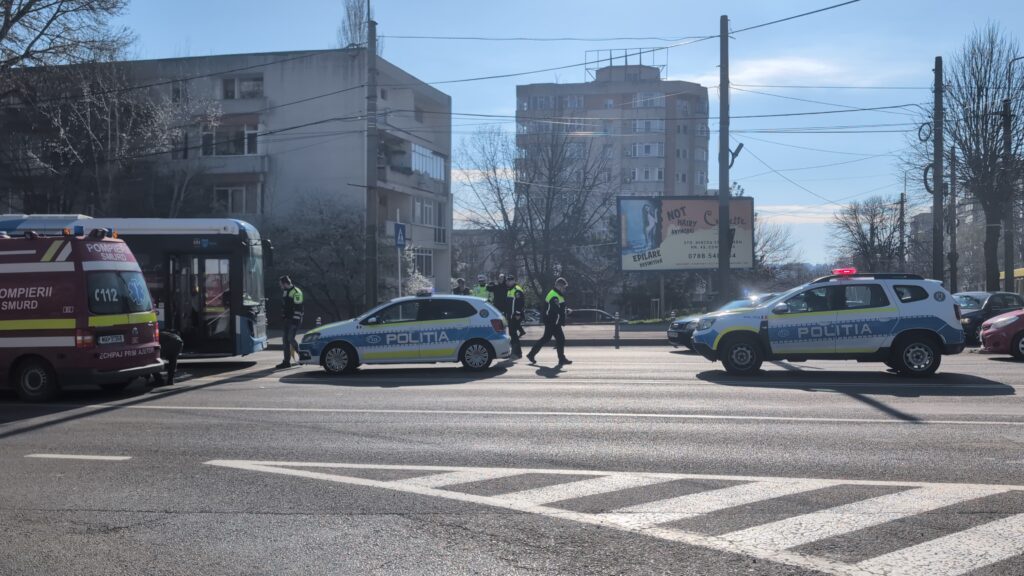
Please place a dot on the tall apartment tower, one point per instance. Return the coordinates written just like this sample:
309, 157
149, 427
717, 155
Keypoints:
653, 132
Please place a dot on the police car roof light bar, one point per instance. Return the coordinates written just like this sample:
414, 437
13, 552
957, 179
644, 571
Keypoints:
844, 271
879, 276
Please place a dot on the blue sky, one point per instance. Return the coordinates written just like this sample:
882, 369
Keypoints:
870, 43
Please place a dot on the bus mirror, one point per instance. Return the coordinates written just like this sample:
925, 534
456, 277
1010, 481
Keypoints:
268, 253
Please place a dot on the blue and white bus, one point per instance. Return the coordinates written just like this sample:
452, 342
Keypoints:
205, 274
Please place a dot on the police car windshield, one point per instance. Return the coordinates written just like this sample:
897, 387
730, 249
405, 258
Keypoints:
742, 303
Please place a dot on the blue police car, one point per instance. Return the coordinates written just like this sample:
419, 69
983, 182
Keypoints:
416, 329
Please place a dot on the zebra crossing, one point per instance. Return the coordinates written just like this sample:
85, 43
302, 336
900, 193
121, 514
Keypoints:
558, 494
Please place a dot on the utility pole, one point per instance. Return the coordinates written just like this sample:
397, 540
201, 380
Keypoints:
724, 157
938, 266
1009, 247
372, 145
903, 224
953, 256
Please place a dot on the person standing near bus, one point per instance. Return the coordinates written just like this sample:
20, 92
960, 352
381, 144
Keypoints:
291, 313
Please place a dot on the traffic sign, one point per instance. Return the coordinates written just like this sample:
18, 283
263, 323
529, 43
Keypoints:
400, 235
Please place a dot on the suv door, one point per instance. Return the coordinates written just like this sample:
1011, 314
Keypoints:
865, 318
391, 334
807, 328
447, 326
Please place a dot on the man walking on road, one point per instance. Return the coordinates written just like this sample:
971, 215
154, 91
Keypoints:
515, 306
291, 313
554, 319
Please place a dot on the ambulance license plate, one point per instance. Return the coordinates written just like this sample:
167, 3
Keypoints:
111, 339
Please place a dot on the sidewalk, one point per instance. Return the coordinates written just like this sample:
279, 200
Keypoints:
595, 335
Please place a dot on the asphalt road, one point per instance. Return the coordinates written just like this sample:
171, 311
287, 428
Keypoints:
634, 461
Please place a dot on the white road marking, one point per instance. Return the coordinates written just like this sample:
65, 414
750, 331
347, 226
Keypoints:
457, 477
644, 415
951, 555
956, 553
799, 530
690, 505
80, 457
581, 488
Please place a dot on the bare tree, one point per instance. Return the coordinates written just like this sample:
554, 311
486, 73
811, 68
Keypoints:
549, 199
48, 32
978, 78
353, 30
866, 234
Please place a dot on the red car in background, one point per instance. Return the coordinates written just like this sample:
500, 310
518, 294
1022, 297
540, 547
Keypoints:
1004, 334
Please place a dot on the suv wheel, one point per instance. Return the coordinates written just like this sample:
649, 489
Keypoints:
36, 380
917, 356
741, 356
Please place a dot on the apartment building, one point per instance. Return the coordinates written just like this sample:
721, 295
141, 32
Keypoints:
653, 132
280, 140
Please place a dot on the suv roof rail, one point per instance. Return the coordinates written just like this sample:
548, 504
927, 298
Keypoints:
879, 276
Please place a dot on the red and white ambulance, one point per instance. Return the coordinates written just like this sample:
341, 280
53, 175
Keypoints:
74, 311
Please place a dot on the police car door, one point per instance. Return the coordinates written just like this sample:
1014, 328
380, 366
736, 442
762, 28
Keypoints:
803, 324
865, 318
391, 335
446, 326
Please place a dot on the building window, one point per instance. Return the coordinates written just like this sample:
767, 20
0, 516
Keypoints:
609, 151
541, 103
428, 162
609, 103
686, 129
677, 177
417, 114
424, 262
383, 93
607, 127
242, 88
683, 106
649, 100
238, 199
572, 102
661, 174
702, 178
647, 173
648, 125
702, 154
647, 149
632, 174
683, 177
177, 91
230, 140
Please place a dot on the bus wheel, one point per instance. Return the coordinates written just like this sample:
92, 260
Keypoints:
36, 380
115, 386
339, 358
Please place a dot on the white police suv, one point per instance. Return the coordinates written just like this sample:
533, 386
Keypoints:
418, 329
903, 320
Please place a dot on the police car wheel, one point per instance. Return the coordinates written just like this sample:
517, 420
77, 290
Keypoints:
36, 380
476, 355
917, 357
1017, 346
338, 358
741, 356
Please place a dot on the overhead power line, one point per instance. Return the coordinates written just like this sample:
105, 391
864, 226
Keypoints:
825, 87
542, 39
794, 17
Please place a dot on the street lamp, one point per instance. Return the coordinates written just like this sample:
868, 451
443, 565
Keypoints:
1009, 244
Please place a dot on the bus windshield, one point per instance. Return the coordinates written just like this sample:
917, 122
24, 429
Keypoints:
252, 279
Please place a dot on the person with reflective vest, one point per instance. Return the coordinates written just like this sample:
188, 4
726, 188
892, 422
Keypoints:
480, 290
554, 319
291, 313
515, 306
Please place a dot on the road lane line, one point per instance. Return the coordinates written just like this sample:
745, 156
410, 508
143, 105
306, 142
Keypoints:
799, 530
669, 510
80, 457
456, 477
581, 488
956, 553
644, 415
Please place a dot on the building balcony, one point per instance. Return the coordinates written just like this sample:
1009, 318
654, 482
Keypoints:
242, 106
396, 176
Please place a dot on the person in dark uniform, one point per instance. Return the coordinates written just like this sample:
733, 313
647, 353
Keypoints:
291, 313
515, 302
554, 319
170, 348
498, 293
460, 288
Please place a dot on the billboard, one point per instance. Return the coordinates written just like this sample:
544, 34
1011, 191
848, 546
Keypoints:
681, 232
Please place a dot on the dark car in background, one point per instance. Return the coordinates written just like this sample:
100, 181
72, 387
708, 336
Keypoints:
977, 307
589, 316
680, 332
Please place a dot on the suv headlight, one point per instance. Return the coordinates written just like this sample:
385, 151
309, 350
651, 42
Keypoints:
705, 323
1004, 322
310, 337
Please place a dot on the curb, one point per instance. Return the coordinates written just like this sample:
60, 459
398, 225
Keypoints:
625, 342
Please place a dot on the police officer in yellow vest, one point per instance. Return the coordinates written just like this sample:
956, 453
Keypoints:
554, 319
480, 290
291, 313
515, 300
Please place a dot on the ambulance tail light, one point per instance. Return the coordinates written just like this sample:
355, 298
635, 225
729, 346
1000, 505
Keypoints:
498, 325
844, 271
84, 339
